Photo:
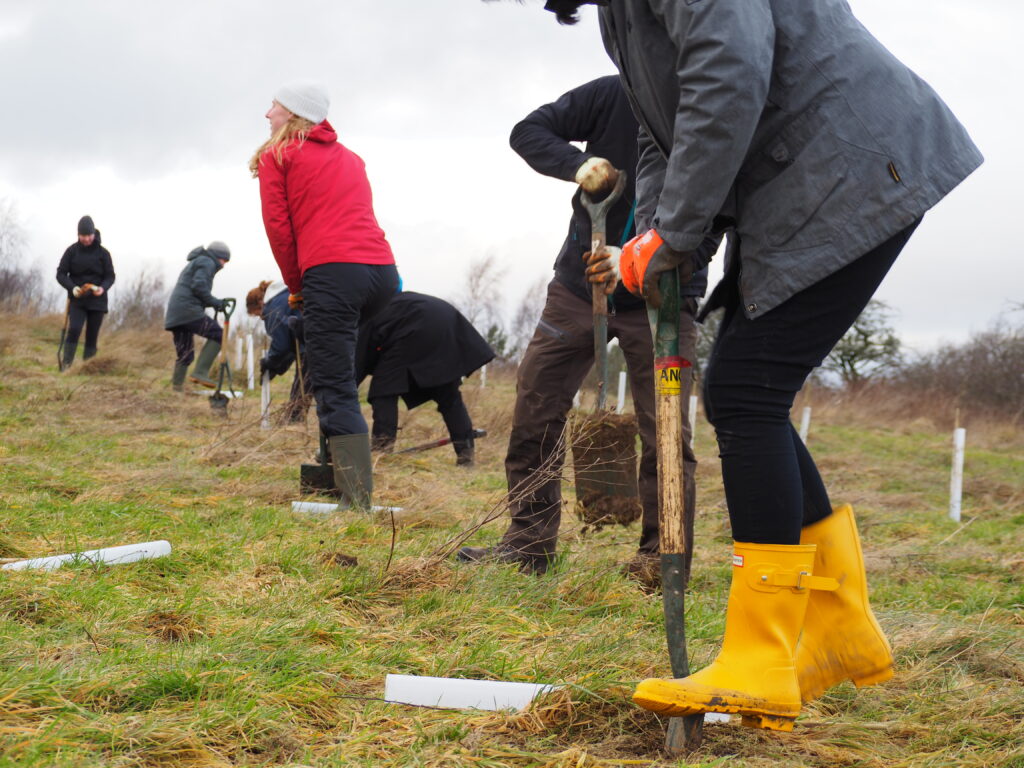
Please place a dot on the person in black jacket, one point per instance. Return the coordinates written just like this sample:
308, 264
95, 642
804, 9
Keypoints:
418, 348
562, 348
269, 301
186, 313
86, 272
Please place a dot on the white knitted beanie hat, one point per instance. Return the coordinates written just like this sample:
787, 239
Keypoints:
305, 98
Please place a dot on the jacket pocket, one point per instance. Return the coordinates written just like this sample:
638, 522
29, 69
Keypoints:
807, 191
550, 330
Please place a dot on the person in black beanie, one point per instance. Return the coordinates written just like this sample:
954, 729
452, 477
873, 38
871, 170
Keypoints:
86, 272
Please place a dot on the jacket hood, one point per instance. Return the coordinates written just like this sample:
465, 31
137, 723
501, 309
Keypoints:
200, 250
323, 133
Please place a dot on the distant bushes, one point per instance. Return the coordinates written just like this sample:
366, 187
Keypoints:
985, 373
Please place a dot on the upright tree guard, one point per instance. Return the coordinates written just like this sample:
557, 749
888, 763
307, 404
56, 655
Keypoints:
684, 733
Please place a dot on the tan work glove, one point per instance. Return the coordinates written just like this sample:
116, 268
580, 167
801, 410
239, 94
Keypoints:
604, 268
97, 289
597, 176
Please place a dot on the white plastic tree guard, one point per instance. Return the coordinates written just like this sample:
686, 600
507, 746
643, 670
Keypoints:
483, 377
321, 508
456, 693
128, 553
805, 423
956, 479
692, 414
620, 406
250, 363
239, 353
265, 401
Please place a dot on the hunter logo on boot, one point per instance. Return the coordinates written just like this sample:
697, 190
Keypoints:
737, 560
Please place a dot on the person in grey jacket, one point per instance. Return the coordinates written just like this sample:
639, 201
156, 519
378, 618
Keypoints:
788, 126
186, 313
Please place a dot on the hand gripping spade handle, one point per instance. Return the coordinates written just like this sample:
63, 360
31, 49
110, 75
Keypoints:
598, 239
684, 733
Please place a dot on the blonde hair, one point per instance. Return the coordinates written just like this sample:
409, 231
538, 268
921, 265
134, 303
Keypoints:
296, 128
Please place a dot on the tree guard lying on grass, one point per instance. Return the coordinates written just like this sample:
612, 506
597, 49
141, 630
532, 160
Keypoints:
604, 462
128, 553
457, 693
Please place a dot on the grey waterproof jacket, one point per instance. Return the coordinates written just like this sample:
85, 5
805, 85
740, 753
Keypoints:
784, 122
192, 293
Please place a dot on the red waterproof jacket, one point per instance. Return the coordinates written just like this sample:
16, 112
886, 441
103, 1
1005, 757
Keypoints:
318, 207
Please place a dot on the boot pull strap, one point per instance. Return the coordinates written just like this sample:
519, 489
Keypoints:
770, 580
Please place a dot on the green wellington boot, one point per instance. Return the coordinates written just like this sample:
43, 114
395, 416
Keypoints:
353, 469
201, 371
178, 377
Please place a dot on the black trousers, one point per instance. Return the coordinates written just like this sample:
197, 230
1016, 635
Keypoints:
91, 319
449, 404
756, 368
184, 344
337, 297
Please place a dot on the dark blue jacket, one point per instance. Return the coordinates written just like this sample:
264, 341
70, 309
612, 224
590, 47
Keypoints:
275, 316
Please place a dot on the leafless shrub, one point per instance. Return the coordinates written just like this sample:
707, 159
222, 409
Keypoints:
524, 321
22, 288
140, 303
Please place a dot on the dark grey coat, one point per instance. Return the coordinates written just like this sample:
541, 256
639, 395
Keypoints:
784, 121
192, 293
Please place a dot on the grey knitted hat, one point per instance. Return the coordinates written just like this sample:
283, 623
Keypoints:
219, 249
305, 98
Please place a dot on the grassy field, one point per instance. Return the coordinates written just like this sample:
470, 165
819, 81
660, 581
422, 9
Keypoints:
255, 643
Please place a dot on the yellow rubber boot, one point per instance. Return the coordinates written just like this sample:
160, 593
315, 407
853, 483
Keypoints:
841, 639
754, 674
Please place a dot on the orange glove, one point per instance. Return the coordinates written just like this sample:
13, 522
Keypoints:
295, 301
604, 268
643, 260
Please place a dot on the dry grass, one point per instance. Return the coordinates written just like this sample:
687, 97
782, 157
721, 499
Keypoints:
265, 637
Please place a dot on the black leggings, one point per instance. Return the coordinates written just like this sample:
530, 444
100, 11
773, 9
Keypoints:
92, 319
756, 368
449, 404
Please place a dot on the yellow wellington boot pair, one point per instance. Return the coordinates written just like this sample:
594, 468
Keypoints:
798, 622
755, 673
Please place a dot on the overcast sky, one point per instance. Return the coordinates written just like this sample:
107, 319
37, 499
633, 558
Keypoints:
144, 115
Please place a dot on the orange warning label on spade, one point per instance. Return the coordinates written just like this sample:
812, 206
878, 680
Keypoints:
668, 375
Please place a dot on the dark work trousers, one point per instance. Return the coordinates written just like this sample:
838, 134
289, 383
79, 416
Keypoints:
756, 368
91, 319
337, 297
557, 359
184, 344
449, 404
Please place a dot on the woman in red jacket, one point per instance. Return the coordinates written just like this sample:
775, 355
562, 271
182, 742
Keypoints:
318, 213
